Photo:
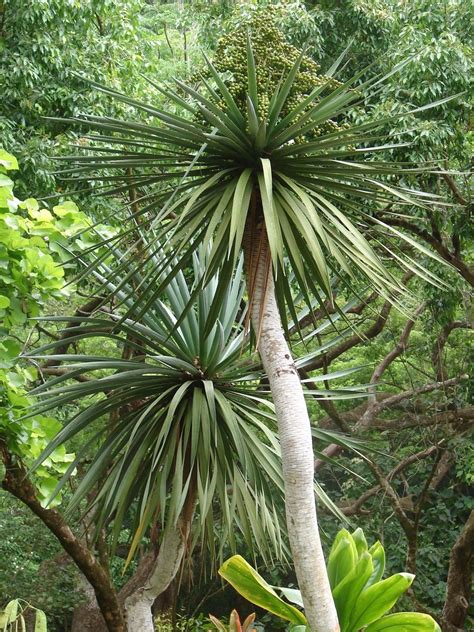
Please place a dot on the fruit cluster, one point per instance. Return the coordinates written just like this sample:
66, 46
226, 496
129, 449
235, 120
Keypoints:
274, 58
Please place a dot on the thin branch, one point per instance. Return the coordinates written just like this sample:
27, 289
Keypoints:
372, 332
454, 189
85, 311
394, 499
46, 332
451, 257
355, 507
165, 29
59, 371
374, 407
438, 348
427, 388
100, 24
323, 312
461, 416
18, 484
427, 486
443, 467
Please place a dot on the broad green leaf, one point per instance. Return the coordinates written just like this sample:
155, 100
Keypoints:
347, 592
292, 594
404, 622
377, 553
255, 589
378, 599
359, 538
8, 160
5, 181
342, 558
11, 612
40, 622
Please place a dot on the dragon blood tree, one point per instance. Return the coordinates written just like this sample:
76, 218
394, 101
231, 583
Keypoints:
257, 155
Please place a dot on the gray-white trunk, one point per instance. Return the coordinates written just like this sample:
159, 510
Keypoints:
297, 453
138, 606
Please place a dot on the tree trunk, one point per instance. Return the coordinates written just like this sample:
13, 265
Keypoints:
458, 586
87, 616
294, 431
138, 605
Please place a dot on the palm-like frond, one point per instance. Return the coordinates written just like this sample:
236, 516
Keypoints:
197, 172
187, 415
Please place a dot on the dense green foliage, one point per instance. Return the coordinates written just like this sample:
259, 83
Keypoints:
32, 247
44, 44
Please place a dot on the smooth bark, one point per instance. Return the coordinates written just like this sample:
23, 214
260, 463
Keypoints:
138, 606
295, 437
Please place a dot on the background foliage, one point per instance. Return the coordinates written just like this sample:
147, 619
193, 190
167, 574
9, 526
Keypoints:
43, 44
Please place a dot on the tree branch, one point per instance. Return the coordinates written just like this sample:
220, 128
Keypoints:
454, 189
427, 388
440, 344
354, 507
85, 311
59, 371
394, 499
374, 407
17, 483
311, 317
458, 586
451, 257
461, 417
373, 331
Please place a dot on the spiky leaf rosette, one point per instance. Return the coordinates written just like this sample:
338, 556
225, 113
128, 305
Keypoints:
199, 167
179, 416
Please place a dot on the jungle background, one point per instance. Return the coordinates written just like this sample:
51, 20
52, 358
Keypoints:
415, 493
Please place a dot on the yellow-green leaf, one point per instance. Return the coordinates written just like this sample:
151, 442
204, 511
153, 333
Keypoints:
255, 589
404, 622
376, 600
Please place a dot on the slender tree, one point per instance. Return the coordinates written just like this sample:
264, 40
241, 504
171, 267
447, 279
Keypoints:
257, 155
186, 424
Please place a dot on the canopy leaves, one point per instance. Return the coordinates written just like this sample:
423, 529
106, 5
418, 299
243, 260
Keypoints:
200, 165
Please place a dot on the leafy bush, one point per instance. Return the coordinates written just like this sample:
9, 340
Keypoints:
33, 242
355, 572
164, 623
